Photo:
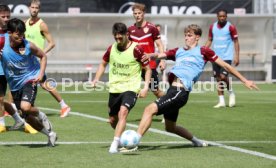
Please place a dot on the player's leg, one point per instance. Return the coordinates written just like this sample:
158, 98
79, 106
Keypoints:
46, 85
220, 85
146, 119
27, 99
3, 88
127, 101
172, 127
232, 97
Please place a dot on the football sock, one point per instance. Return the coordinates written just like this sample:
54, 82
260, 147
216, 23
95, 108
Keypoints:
45, 131
62, 104
231, 92
14, 107
195, 140
139, 137
221, 99
17, 118
114, 145
41, 115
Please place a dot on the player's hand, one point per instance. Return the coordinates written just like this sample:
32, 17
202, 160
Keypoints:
236, 61
143, 93
145, 57
162, 65
251, 85
38, 79
93, 83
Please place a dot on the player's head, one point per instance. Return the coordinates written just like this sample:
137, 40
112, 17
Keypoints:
158, 26
192, 35
16, 29
222, 17
34, 7
5, 13
120, 34
138, 10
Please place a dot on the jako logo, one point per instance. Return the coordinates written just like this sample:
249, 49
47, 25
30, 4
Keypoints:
18, 9
126, 8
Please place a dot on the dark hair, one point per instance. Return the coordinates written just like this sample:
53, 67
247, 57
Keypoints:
4, 8
35, 2
16, 25
119, 28
222, 10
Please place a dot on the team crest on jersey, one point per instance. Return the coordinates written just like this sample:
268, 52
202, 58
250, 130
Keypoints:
146, 29
22, 51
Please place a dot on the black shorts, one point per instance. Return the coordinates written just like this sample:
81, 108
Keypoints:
3, 85
44, 78
217, 70
26, 93
116, 100
154, 82
170, 104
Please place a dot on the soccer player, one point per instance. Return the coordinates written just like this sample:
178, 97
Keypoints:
5, 14
23, 71
224, 38
36, 32
189, 64
125, 68
146, 34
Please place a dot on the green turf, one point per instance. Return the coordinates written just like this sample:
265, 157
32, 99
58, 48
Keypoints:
252, 120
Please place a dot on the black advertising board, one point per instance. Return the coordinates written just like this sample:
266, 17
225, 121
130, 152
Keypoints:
167, 7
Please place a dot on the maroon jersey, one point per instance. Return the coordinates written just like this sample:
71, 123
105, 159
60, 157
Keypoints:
207, 54
145, 36
138, 52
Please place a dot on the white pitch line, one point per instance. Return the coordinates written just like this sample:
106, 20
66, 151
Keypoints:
255, 153
108, 142
191, 101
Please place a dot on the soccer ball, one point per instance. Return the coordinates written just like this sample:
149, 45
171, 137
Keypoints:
129, 139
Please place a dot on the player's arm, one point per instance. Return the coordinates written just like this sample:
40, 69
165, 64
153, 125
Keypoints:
249, 84
102, 66
237, 52
160, 46
234, 36
170, 54
144, 91
100, 72
210, 37
50, 41
43, 60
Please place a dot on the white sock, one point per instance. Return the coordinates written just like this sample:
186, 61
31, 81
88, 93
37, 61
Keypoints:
230, 92
41, 115
46, 132
63, 104
2, 121
139, 137
114, 145
17, 117
14, 107
195, 140
221, 99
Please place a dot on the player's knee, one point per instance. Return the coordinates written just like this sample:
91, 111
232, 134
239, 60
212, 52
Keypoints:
25, 108
170, 129
151, 109
158, 93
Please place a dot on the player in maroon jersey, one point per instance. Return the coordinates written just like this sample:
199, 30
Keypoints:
146, 34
